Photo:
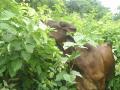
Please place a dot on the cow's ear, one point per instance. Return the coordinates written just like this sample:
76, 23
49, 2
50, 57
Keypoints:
63, 24
89, 46
67, 27
53, 24
109, 44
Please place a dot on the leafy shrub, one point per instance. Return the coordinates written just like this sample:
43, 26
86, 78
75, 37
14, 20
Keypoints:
29, 59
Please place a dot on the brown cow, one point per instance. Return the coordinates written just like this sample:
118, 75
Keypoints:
91, 64
95, 64
60, 35
108, 59
83, 83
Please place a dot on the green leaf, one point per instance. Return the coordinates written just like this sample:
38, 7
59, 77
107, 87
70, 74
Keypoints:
76, 73
29, 48
25, 55
17, 64
6, 15
5, 83
4, 26
4, 88
68, 44
2, 61
2, 69
64, 76
67, 77
29, 44
63, 88
38, 68
74, 55
16, 45
8, 28
44, 36
60, 76
7, 37
14, 66
36, 37
51, 75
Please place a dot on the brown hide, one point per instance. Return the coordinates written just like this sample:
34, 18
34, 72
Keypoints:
96, 64
61, 26
91, 64
84, 84
60, 35
108, 59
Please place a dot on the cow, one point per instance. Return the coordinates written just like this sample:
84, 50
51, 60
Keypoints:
96, 64
91, 65
60, 35
83, 83
108, 59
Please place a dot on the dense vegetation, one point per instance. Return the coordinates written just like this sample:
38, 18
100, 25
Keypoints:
29, 58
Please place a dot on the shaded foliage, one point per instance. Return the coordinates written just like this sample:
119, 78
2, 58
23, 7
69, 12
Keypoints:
29, 59
86, 7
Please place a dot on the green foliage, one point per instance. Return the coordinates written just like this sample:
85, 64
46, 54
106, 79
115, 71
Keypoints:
30, 60
116, 16
84, 7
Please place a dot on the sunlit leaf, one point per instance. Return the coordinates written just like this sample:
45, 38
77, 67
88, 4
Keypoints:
25, 55
17, 45
67, 77
7, 37
2, 70
63, 88
6, 15
14, 66
29, 48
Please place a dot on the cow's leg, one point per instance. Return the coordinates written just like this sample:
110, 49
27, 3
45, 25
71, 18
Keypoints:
101, 84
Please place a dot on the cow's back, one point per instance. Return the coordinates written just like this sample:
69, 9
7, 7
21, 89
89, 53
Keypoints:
90, 62
108, 59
